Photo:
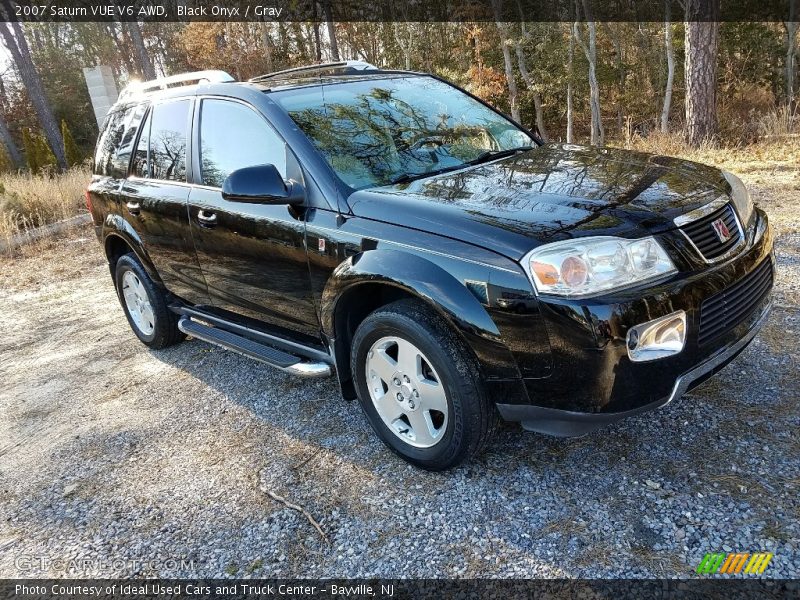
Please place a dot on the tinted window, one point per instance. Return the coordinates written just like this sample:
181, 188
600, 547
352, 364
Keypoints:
109, 141
168, 127
131, 126
140, 166
376, 130
233, 136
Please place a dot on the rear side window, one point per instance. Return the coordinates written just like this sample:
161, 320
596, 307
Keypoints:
131, 126
141, 166
109, 141
168, 126
254, 142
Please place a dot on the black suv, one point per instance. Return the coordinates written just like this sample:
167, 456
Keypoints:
444, 262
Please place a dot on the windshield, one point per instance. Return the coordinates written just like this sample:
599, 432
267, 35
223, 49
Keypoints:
377, 131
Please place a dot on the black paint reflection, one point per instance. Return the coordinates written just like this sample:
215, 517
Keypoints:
550, 193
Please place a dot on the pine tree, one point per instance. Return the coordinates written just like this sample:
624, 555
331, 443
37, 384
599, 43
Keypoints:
45, 156
6, 165
31, 154
71, 150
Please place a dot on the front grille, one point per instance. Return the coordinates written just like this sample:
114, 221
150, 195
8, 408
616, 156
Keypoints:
724, 311
705, 238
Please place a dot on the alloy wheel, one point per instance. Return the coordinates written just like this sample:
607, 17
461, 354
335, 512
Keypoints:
406, 391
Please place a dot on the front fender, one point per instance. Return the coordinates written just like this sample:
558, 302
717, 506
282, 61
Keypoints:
433, 285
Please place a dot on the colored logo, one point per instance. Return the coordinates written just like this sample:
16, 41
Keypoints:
722, 231
734, 563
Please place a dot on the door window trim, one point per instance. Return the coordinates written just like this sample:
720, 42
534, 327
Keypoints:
197, 172
189, 143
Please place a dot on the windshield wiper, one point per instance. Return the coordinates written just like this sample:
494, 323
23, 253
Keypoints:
492, 154
482, 157
409, 177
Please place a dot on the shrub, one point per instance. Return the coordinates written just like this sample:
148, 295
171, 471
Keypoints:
71, 150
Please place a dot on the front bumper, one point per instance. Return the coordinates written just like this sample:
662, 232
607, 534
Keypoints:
594, 382
564, 423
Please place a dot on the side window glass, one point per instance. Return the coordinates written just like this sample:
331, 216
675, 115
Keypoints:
255, 142
109, 141
140, 166
128, 139
168, 140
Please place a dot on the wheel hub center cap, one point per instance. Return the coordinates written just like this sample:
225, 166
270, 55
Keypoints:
406, 395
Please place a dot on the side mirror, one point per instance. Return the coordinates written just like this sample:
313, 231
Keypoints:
261, 184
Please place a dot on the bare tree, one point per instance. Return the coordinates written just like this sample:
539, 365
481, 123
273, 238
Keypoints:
570, 61
326, 7
266, 41
14, 40
670, 52
791, 36
142, 56
597, 132
702, 41
513, 95
403, 42
537, 98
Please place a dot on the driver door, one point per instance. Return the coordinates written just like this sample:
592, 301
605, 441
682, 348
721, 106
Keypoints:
253, 256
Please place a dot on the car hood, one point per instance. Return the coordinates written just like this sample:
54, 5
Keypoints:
550, 193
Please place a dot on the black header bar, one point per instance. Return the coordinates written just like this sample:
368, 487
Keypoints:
396, 10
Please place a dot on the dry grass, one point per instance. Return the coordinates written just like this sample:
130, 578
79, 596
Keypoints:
28, 201
777, 151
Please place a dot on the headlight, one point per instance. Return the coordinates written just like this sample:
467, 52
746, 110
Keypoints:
592, 265
741, 198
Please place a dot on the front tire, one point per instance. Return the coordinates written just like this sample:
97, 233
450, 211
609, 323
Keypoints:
145, 305
420, 386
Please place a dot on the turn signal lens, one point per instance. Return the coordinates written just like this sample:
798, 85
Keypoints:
545, 272
590, 266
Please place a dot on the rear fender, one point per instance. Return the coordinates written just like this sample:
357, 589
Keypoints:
116, 226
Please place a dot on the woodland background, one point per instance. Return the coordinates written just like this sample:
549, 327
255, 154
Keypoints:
668, 86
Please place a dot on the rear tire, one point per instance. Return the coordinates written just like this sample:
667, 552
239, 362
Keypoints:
420, 388
145, 305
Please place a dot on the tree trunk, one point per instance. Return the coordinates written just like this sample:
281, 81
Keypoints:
791, 35
266, 40
405, 46
509, 66
143, 58
702, 39
597, 133
13, 152
569, 82
315, 29
537, 99
670, 52
21, 54
331, 31
620, 64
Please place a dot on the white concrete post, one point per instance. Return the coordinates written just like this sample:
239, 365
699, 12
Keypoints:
102, 90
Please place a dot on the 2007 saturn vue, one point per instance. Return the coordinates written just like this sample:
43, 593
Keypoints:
443, 262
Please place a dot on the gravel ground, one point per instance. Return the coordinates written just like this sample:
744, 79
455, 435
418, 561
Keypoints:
110, 452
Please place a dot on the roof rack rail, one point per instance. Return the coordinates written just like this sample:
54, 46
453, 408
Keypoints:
145, 87
346, 66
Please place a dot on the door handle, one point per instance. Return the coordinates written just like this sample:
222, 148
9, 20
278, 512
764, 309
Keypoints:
134, 207
206, 218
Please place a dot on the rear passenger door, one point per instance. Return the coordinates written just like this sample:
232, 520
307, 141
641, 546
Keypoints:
155, 195
253, 256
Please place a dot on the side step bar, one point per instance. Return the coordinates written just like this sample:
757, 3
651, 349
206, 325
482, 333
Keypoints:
253, 349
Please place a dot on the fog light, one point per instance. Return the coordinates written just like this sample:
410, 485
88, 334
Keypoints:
657, 339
